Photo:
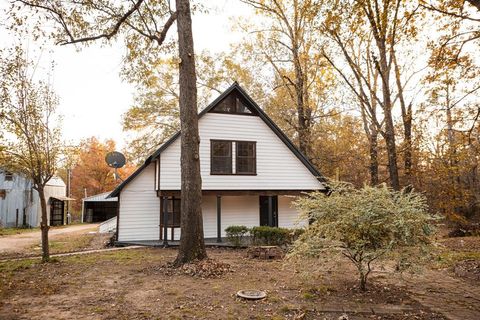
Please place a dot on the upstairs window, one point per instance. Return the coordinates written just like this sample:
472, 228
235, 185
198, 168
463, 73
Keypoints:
232, 104
221, 157
246, 157
8, 176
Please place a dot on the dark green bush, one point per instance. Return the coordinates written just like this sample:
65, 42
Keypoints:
271, 236
235, 234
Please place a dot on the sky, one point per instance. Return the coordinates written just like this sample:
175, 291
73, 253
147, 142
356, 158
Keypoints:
92, 95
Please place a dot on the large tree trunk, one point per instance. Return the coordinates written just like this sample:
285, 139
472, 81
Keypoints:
389, 135
44, 225
192, 245
407, 126
303, 123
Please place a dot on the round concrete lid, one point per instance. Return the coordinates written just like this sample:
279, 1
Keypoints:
251, 294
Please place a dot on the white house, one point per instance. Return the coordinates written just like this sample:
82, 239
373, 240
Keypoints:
20, 203
250, 173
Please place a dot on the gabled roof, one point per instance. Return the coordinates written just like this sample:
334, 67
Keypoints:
269, 122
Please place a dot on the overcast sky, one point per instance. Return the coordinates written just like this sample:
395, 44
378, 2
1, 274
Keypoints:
92, 95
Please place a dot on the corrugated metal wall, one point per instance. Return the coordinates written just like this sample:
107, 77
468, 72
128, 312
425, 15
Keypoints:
19, 198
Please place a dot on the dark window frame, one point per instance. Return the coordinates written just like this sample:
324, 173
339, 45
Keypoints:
8, 176
212, 172
254, 173
174, 213
233, 173
238, 98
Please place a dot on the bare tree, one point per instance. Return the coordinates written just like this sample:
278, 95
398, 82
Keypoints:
27, 112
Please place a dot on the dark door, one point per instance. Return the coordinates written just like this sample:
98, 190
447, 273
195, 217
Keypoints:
56, 212
269, 211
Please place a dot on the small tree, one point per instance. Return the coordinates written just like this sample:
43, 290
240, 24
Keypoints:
27, 114
364, 224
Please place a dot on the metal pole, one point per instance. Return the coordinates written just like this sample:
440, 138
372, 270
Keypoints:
165, 221
219, 219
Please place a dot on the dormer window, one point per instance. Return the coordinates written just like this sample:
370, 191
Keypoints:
233, 103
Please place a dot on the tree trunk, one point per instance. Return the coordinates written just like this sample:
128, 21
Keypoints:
192, 245
373, 140
44, 225
303, 127
363, 282
391, 147
389, 135
407, 126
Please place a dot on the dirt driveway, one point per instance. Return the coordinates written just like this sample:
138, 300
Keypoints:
18, 242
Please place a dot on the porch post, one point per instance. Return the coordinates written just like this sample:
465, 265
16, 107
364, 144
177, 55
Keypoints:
165, 221
219, 218
270, 211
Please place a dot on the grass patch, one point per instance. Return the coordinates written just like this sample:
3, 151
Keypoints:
14, 231
12, 266
450, 258
67, 243
128, 256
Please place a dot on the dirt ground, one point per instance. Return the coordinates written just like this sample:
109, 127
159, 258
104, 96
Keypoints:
22, 243
134, 284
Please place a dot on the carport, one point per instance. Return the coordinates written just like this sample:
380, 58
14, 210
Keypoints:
98, 208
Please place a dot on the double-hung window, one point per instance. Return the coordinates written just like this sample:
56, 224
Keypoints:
222, 157
245, 159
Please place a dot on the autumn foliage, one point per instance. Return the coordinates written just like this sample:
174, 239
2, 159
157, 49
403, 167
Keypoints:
91, 174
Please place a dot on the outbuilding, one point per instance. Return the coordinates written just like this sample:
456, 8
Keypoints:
20, 202
99, 208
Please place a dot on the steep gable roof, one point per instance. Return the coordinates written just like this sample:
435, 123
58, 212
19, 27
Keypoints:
256, 110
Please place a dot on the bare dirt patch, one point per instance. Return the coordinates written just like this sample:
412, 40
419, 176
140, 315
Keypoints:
62, 243
130, 285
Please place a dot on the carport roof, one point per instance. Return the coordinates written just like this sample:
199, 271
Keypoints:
101, 197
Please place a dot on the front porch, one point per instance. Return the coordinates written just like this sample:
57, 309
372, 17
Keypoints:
209, 242
222, 209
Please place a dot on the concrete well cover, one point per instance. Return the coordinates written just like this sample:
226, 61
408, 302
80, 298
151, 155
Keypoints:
251, 294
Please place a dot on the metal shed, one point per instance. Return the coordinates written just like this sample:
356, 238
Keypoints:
98, 208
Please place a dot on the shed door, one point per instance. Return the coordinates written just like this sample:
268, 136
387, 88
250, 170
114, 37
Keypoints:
56, 212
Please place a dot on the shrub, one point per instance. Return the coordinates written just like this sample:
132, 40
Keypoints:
235, 234
271, 236
363, 224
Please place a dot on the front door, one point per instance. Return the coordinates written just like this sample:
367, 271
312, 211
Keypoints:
269, 211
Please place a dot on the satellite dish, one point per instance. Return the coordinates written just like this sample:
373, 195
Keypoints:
115, 159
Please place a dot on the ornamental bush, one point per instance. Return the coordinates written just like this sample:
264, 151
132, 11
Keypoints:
363, 224
235, 234
271, 236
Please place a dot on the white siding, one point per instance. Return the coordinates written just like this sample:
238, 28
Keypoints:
288, 216
277, 167
139, 216
52, 191
245, 210
239, 210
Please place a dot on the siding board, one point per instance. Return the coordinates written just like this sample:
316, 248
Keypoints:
277, 167
140, 208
